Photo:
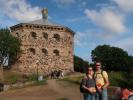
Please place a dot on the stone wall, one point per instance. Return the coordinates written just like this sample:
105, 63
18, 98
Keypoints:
44, 49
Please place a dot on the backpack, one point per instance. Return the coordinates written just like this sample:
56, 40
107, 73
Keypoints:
82, 90
81, 86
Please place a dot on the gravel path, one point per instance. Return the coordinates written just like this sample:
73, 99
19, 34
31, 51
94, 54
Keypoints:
54, 90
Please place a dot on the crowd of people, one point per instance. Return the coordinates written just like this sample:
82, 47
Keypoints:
95, 83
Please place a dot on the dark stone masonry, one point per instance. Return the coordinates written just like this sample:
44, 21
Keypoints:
45, 46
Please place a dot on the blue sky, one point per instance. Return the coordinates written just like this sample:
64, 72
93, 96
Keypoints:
95, 22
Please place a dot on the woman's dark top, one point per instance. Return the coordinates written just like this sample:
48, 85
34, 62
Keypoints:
88, 82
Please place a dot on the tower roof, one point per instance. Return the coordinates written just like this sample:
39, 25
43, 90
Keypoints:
44, 20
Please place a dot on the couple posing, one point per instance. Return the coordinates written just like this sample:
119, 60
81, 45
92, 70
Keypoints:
95, 83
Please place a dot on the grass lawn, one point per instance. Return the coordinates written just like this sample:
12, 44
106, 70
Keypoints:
119, 79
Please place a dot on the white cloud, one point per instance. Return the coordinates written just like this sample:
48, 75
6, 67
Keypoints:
77, 19
83, 3
100, 34
125, 5
19, 10
107, 19
62, 3
126, 44
78, 39
102, 5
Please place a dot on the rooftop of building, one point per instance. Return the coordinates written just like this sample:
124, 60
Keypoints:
45, 21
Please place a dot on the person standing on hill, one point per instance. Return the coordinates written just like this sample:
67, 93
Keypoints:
102, 82
88, 84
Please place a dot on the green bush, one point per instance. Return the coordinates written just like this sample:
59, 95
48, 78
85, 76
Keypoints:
121, 79
115, 78
32, 77
73, 80
12, 78
43, 82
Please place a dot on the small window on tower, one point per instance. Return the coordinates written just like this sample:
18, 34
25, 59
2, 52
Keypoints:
56, 52
70, 42
33, 34
45, 35
45, 51
57, 37
17, 34
32, 50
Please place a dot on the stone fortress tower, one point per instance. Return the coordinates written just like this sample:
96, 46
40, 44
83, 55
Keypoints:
45, 46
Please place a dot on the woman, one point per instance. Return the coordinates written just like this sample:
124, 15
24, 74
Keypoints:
89, 85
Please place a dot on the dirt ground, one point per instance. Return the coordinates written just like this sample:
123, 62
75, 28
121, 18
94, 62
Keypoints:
54, 90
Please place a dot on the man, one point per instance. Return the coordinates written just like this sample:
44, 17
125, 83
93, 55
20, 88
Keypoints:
102, 82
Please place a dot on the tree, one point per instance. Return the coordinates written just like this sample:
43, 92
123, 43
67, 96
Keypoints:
9, 47
80, 65
112, 58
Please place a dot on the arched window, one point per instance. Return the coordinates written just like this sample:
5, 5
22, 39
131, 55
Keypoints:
17, 34
56, 52
45, 35
33, 34
70, 42
57, 37
32, 50
44, 51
